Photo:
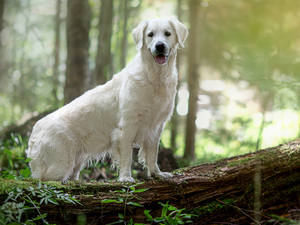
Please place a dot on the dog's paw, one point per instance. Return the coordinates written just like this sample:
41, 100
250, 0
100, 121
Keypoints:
63, 182
164, 175
126, 179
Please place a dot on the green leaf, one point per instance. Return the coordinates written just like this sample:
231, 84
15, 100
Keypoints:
147, 214
39, 217
140, 190
53, 201
7, 152
108, 200
132, 188
70, 200
159, 219
172, 208
130, 221
121, 216
26, 172
135, 204
10, 177
187, 216
120, 199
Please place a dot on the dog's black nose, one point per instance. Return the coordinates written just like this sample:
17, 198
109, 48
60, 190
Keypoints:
160, 47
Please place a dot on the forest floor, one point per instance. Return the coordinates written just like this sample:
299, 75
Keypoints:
221, 192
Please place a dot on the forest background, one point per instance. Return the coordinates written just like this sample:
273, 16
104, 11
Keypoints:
239, 68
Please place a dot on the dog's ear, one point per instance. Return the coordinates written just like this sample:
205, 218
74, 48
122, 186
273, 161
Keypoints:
181, 32
138, 33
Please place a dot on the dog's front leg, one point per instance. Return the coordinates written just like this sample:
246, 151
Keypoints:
151, 151
126, 148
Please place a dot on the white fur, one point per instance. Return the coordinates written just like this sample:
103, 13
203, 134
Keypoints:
131, 109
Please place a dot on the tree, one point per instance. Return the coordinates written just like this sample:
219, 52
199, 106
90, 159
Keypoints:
193, 78
56, 51
125, 34
78, 26
1, 27
175, 117
103, 61
1, 13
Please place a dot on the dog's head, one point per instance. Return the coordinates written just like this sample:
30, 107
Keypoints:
159, 36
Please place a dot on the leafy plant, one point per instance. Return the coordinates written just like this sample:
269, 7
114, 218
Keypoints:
12, 150
174, 217
130, 190
21, 200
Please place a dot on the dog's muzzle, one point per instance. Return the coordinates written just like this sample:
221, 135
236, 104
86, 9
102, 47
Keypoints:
160, 56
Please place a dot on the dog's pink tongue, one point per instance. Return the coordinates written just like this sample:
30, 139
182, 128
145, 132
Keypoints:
160, 59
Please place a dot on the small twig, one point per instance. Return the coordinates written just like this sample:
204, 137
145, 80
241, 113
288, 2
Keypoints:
239, 210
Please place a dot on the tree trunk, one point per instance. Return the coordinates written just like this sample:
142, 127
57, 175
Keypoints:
2, 2
175, 117
78, 26
218, 193
193, 78
103, 61
125, 34
56, 53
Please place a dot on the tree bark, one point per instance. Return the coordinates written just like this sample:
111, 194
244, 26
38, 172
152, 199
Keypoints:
2, 2
103, 61
78, 26
56, 53
125, 34
175, 117
216, 192
193, 78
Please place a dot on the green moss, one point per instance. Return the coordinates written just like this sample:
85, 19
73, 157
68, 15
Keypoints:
211, 207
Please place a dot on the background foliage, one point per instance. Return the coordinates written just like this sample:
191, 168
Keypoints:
249, 67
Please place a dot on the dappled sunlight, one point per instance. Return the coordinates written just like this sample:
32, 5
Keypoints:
248, 69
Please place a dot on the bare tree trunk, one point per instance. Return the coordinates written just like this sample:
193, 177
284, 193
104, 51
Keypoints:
56, 52
78, 26
2, 2
1, 27
174, 120
103, 61
193, 78
125, 33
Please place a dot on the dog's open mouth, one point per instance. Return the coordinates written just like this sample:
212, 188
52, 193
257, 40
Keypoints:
161, 59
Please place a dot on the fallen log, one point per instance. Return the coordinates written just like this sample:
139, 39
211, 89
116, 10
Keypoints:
217, 192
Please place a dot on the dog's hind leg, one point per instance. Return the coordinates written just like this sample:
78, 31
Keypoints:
79, 163
57, 159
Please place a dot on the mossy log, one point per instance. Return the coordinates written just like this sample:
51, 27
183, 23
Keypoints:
216, 192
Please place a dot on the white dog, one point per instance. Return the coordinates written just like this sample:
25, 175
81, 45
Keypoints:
129, 110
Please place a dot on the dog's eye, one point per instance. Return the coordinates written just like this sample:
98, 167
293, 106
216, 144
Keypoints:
168, 33
150, 34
